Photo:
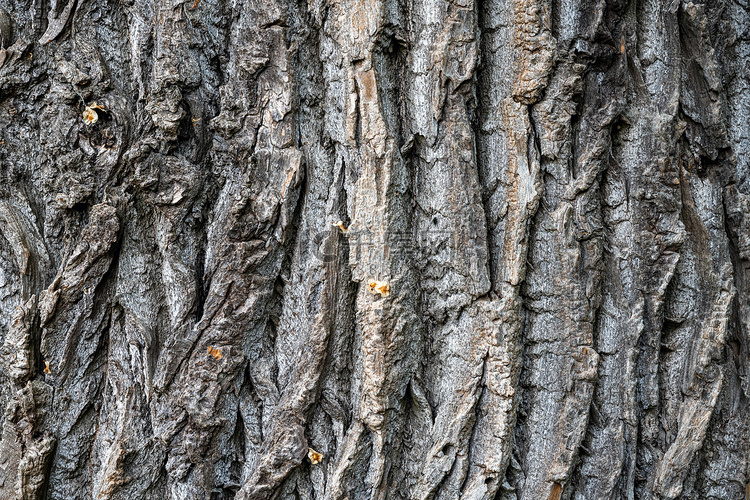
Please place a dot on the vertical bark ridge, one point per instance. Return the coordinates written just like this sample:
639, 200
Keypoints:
75, 310
253, 221
563, 292
700, 376
696, 377
597, 39
508, 165
450, 237
377, 197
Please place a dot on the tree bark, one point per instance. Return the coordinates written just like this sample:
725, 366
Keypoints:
374, 249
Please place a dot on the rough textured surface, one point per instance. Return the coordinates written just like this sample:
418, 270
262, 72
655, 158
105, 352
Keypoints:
374, 249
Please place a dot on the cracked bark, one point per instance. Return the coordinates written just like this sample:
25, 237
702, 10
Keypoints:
369, 250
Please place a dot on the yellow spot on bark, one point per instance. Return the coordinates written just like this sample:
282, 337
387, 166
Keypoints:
380, 287
314, 456
340, 225
46, 367
216, 353
90, 116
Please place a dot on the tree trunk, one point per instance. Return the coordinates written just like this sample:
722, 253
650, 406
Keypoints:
374, 249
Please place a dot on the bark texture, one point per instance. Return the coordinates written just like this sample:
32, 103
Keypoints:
374, 249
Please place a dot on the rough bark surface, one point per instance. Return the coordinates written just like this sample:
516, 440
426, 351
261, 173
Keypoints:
374, 249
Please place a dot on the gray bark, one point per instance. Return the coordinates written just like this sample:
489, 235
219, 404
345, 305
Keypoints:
374, 249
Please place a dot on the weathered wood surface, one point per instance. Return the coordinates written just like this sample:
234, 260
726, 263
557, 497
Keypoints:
471, 249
